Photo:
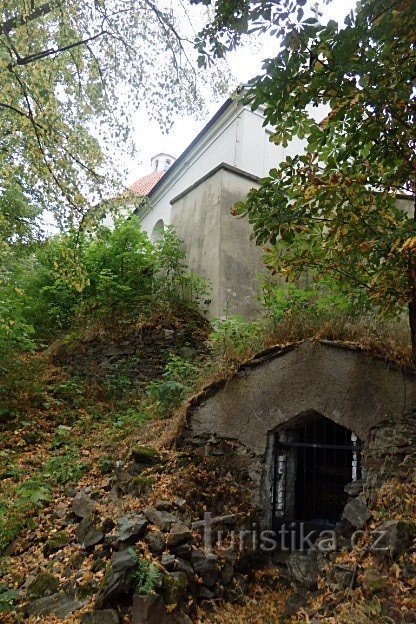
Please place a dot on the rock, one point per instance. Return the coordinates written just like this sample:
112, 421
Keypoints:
340, 576
174, 586
182, 550
43, 585
122, 478
304, 569
104, 616
149, 610
180, 503
355, 487
186, 568
168, 561
181, 618
162, 519
408, 571
83, 506
145, 455
356, 513
88, 534
155, 541
204, 593
227, 573
119, 579
93, 537
113, 494
60, 511
178, 534
205, 567
130, 529
107, 525
292, 606
163, 505
374, 580
393, 538
134, 469
137, 486
61, 605
56, 542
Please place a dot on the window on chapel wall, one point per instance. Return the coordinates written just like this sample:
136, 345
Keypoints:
158, 231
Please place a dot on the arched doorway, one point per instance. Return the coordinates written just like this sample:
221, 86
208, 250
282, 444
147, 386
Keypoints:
314, 458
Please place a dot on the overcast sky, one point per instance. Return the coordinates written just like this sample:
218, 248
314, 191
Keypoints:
244, 64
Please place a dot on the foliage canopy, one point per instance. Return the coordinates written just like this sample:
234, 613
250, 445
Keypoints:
333, 210
72, 72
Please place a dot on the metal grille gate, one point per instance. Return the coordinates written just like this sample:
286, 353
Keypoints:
312, 464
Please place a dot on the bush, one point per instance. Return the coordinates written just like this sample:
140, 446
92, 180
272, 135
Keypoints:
177, 382
172, 279
232, 338
318, 302
111, 274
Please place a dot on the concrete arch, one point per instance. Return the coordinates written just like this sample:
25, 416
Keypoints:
347, 385
236, 420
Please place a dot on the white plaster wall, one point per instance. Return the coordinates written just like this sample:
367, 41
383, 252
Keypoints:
239, 139
217, 146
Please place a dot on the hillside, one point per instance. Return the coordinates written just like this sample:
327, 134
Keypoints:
129, 423
98, 496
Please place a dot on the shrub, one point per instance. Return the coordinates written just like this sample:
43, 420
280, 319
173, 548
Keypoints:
178, 378
173, 282
112, 273
232, 338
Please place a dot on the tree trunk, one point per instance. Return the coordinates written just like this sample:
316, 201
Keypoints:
412, 302
412, 325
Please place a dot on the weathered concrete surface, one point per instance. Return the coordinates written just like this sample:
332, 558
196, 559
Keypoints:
235, 421
218, 245
348, 386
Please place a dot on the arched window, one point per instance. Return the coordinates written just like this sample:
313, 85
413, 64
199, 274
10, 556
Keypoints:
158, 231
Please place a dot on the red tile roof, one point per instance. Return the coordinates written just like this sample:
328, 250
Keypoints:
144, 185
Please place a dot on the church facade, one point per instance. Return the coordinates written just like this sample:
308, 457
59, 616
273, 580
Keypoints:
196, 192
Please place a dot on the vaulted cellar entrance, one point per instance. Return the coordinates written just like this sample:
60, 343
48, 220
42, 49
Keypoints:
313, 460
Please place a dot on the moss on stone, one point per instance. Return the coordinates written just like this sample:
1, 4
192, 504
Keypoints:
145, 455
56, 542
44, 584
374, 580
140, 485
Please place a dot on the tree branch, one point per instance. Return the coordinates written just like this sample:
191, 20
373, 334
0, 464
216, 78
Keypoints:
52, 51
21, 20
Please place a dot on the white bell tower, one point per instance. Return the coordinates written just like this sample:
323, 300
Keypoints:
162, 162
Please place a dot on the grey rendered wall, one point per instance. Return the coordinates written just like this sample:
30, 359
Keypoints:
218, 245
196, 219
240, 258
348, 386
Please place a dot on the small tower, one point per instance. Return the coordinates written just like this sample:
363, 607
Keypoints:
162, 162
